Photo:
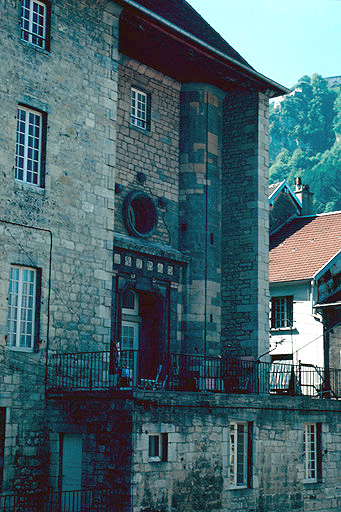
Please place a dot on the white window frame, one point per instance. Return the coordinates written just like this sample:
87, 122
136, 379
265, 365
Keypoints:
18, 311
138, 115
129, 356
162, 437
238, 454
280, 314
310, 452
27, 34
24, 140
154, 458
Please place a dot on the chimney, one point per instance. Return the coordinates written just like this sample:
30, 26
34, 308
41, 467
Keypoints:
305, 196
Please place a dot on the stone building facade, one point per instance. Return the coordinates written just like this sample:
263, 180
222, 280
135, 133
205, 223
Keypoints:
134, 287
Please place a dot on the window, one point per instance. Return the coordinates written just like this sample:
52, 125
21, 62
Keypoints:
139, 214
130, 303
282, 312
23, 310
241, 454
29, 146
35, 23
312, 452
139, 109
158, 447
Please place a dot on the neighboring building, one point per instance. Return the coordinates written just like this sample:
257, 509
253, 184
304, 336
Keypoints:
305, 251
134, 293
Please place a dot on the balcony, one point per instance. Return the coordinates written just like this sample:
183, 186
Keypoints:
103, 371
88, 500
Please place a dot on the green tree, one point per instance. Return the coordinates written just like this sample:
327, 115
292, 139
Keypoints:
303, 130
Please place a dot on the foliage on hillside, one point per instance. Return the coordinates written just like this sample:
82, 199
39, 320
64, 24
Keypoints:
305, 140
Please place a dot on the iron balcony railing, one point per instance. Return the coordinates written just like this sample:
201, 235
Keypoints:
86, 500
125, 370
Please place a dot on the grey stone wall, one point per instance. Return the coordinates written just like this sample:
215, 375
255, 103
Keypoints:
154, 152
75, 84
195, 476
200, 212
245, 222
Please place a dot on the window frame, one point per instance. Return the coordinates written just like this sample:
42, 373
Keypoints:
131, 311
19, 308
162, 455
312, 455
246, 455
40, 169
136, 120
45, 37
279, 319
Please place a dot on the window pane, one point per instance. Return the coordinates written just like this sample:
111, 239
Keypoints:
33, 22
21, 302
154, 444
28, 147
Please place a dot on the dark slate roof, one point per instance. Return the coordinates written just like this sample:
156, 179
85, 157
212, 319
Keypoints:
180, 13
300, 248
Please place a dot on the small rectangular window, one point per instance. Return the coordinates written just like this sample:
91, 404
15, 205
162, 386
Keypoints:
158, 447
240, 473
312, 452
22, 308
282, 312
139, 109
35, 23
29, 146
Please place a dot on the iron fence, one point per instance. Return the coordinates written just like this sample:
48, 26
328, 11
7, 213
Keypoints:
184, 372
86, 500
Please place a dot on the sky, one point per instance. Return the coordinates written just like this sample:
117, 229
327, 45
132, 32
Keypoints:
283, 40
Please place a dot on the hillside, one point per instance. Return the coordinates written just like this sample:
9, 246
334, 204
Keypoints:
305, 140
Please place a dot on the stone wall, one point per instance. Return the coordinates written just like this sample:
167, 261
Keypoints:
200, 212
154, 152
245, 222
195, 476
70, 221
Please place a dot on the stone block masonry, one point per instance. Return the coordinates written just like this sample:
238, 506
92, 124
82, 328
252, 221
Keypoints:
153, 152
245, 223
75, 85
191, 471
200, 213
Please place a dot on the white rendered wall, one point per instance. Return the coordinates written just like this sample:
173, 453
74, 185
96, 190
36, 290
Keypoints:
305, 339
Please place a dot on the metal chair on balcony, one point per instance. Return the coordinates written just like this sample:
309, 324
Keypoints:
157, 383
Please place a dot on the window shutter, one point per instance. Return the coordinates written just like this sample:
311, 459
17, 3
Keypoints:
43, 149
116, 329
290, 301
149, 109
164, 448
273, 313
319, 450
37, 312
249, 453
48, 26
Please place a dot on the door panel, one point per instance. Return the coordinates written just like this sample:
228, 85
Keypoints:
129, 352
72, 462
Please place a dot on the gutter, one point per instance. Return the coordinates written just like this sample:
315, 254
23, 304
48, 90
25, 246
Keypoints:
271, 83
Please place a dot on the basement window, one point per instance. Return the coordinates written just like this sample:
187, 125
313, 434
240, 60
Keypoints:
158, 447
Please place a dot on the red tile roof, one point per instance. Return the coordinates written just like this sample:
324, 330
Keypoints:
303, 246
